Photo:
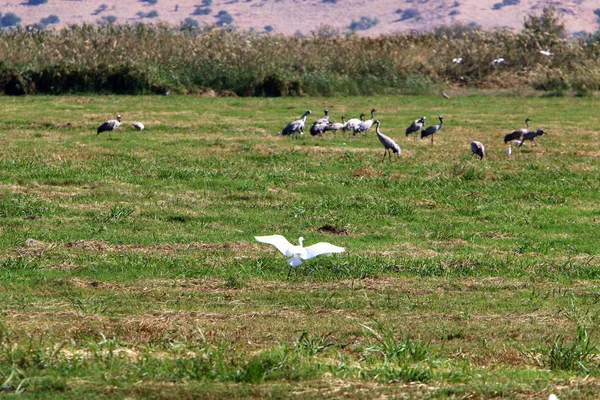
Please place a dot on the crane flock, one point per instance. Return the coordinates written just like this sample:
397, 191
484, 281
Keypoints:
360, 125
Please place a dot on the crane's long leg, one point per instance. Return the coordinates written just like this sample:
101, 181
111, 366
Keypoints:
384, 153
533, 141
432, 139
289, 272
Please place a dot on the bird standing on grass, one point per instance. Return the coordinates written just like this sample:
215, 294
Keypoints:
430, 130
138, 125
478, 149
364, 126
109, 125
387, 142
352, 123
318, 127
415, 127
295, 127
336, 126
518, 134
299, 253
531, 136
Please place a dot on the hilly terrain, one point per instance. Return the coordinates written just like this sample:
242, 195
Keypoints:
367, 18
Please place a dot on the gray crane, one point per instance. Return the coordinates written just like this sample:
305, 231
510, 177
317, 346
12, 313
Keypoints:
336, 126
364, 126
352, 123
388, 143
531, 136
518, 134
478, 149
317, 127
415, 127
109, 125
430, 130
295, 127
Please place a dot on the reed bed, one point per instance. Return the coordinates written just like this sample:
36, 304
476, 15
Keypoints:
142, 59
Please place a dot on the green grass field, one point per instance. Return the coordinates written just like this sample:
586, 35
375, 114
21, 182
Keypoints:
129, 269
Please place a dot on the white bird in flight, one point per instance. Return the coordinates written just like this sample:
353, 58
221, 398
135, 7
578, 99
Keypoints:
546, 52
299, 253
457, 60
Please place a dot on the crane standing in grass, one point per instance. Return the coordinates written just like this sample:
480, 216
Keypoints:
478, 149
109, 125
415, 127
388, 143
518, 134
336, 126
531, 136
430, 130
364, 126
318, 127
352, 123
295, 127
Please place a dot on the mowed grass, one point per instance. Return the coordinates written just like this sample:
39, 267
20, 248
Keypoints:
128, 265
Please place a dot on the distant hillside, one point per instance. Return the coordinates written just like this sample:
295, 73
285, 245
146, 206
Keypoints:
369, 18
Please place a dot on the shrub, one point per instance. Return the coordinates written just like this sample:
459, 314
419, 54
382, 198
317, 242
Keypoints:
597, 13
50, 19
409, 13
100, 9
206, 3
201, 11
36, 2
190, 23
151, 2
9, 19
363, 24
268, 28
110, 19
224, 18
152, 14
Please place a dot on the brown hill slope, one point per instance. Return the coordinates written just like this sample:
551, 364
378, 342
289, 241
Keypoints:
304, 16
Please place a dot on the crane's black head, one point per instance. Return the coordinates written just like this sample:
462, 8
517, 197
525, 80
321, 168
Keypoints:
326, 112
362, 116
119, 117
377, 122
441, 117
540, 132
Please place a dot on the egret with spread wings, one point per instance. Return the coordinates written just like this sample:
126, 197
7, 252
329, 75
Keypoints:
299, 253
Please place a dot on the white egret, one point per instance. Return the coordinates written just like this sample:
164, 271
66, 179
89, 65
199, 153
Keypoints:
299, 253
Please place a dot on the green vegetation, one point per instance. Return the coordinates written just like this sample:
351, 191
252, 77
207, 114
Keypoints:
128, 265
188, 59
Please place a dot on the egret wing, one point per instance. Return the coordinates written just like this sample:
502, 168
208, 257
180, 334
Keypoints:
321, 248
278, 241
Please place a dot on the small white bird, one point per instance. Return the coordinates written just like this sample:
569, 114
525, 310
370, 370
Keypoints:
138, 125
299, 253
547, 53
457, 60
498, 61
552, 397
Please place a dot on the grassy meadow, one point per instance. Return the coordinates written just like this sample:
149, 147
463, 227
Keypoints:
129, 269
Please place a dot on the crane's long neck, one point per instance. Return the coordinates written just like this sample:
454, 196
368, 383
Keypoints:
300, 241
372, 114
527, 122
